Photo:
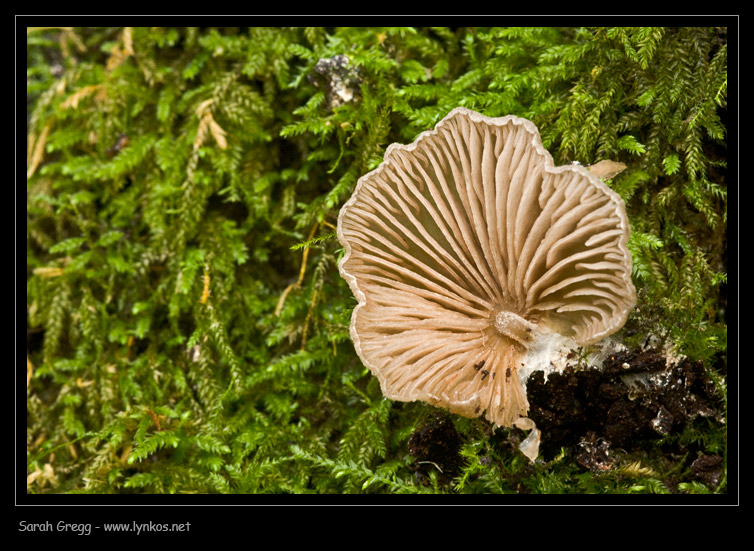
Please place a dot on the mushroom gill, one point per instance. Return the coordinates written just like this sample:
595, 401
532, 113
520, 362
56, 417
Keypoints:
469, 252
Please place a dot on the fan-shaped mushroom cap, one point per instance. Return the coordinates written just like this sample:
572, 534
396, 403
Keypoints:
468, 252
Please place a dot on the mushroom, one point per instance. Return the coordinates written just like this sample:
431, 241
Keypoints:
474, 260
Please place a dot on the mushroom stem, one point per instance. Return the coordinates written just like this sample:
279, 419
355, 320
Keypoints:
514, 327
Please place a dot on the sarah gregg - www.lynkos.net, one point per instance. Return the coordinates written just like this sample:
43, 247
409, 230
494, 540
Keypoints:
86, 528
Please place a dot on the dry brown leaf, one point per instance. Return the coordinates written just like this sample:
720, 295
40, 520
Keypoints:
37, 150
72, 101
201, 132
29, 371
607, 169
128, 44
217, 132
48, 271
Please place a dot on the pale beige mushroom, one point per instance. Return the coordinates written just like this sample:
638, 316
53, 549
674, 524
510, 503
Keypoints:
473, 257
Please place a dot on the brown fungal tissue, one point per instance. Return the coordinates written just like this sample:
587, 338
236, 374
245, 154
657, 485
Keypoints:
474, 259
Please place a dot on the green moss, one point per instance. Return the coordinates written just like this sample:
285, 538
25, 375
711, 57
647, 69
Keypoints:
187, 329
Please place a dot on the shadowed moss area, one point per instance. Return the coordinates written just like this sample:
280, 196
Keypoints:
187, 327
